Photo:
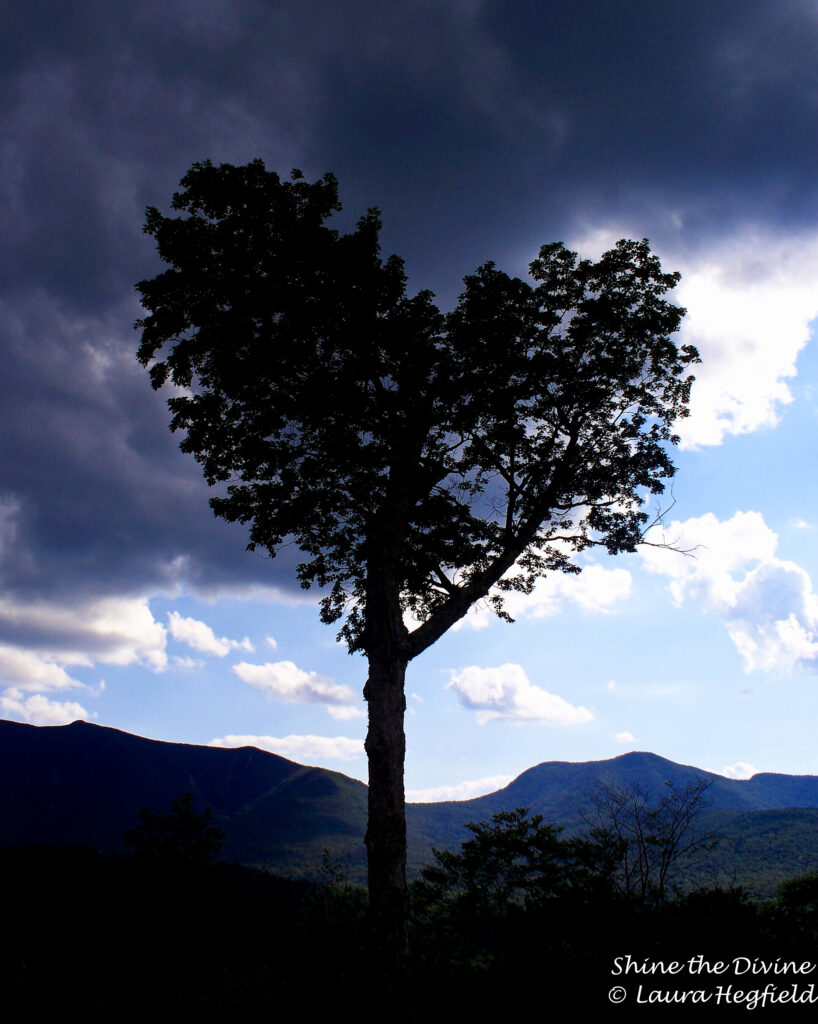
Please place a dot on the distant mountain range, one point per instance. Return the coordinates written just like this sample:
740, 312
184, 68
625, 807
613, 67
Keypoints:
85, 784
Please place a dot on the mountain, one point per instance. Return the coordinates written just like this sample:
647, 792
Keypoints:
769, 823
85, 784
555, 788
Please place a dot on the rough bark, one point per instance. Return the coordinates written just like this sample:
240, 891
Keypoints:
386, 827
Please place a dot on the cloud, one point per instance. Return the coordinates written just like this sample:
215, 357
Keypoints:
201, 637
186, 664
506, 693
103, 120
594, 590
718, 550
345, 713
739, 770
767, 605
97, 498
110, 630
462, 791
9, 525
765, 631
108, 106
271, 642
287, 682
39, 710
27, 670
330, 748
750, 299
625, 737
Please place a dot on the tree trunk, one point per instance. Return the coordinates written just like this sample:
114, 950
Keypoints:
386, 826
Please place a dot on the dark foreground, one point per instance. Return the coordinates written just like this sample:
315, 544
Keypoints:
118, 938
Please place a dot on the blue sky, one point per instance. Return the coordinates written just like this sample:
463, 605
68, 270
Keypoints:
482, 130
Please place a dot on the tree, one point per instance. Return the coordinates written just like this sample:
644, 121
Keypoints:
516, 900
180, 836
655, 838
420, 461
515, 860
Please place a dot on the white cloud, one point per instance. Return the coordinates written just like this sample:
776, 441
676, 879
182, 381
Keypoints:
27, 670
201, 637
739, 770
625, 737
186, 664
750, 300
271, 642
330, 748
39, 710
718, 549
283, 679
759, 625
767, 605
505, 692
612, 685
111, 630
462, 791
343, 713
595, 589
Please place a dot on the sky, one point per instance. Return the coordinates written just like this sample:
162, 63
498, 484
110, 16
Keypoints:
481, 130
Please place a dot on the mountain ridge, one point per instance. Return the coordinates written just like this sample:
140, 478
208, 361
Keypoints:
85, 783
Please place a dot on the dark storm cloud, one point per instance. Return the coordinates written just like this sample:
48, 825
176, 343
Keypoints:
97, 495
480, 129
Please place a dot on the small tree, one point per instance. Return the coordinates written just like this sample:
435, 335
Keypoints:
514, 860
420, 461
180, 836
656, 839
515, 884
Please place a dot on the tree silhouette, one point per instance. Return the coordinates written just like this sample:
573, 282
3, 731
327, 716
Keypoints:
420, 461
514, 883
657, 836
515, 860
178, 836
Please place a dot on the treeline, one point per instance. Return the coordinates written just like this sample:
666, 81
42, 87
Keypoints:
520, 922
107, 937
522, 910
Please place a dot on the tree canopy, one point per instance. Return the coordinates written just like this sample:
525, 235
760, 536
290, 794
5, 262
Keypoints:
516, 860
477, 448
